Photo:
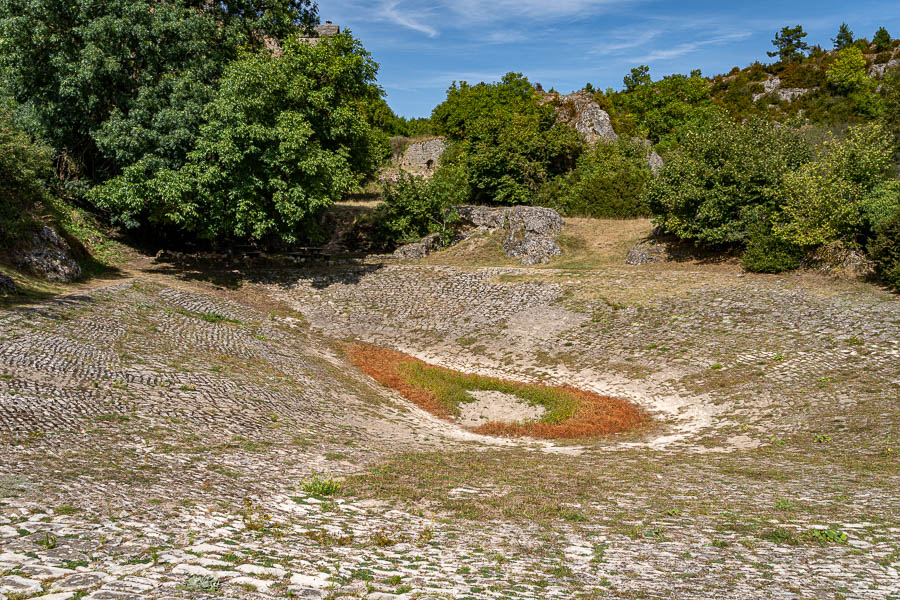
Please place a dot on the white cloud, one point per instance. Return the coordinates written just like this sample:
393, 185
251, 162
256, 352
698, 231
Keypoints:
396, 13
626, 39
498, 10
688, 47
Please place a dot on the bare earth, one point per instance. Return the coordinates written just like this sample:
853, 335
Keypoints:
156, 434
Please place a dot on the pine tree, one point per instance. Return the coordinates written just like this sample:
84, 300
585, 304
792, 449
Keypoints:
844, 37
789, 43
882, 40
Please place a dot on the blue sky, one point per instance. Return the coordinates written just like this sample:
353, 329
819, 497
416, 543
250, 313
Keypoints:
423, 46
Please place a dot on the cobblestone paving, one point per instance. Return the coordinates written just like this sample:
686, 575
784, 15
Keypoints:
156, 437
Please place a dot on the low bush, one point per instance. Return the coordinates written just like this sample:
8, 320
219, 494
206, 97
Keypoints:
609, 181
721, 179
415, 207
766, 253
885, 250
881, 204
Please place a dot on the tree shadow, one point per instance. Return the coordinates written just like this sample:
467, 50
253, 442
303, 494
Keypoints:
318, 269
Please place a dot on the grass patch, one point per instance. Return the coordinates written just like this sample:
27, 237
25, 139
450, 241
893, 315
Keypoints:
570, 413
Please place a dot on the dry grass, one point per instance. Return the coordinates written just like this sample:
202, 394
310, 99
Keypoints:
571, 413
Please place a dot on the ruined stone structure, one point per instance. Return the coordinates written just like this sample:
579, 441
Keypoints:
327, 30
424, 155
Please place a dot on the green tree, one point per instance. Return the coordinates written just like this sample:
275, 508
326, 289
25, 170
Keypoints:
721, 180
658, 108
882, 39
844, 37
508, 143
282, 139
110, 83
789, 44
848, 71
637, 77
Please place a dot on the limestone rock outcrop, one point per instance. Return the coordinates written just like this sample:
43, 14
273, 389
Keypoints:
421, 249
528, 232
48, 256
581, 111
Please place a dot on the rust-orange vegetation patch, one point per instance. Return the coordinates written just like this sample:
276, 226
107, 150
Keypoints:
570, 413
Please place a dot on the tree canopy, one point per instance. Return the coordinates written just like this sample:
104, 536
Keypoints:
282, 138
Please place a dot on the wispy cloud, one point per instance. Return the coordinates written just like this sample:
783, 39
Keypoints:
626, 39
496, 10
688, 47
401, 15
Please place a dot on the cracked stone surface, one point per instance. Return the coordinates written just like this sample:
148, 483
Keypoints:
157, 437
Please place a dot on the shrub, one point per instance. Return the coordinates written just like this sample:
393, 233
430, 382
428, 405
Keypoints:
609, 181
766, 253
885, 250
721, 180
848, 71
881, 204
415, 207
822, 201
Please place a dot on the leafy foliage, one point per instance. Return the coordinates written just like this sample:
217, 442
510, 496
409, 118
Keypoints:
609, 181
885, 250
282, 139
415, 207
114, 83
657, 109
25, 168
721, 180
767, 253
848, 71
822, 201
508, 144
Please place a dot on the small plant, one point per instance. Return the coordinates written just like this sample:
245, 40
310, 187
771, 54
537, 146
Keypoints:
828, 536
49, 542
254, 519
425, 536
784, 504
201, 583
821, 438
383, 538
320, 485
716, 367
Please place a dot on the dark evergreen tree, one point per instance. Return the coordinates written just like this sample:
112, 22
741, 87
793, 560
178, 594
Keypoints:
844, 37
789, 43
882, 39
639, 76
